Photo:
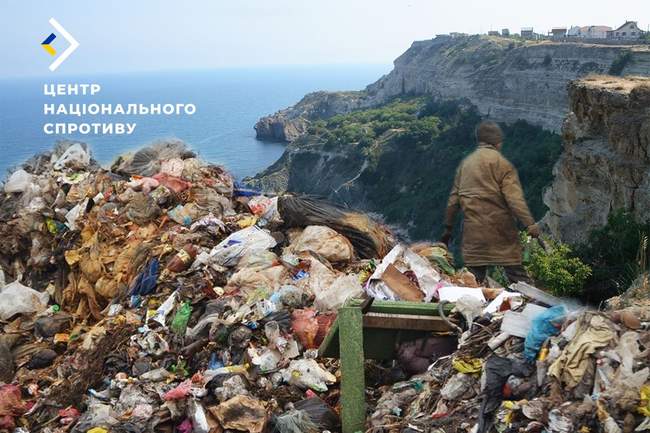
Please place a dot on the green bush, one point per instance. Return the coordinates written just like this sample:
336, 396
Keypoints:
613, 253
557, 269
620, 63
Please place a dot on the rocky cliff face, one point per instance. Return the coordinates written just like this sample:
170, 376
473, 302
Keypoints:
505, 78
290, 123
606, 161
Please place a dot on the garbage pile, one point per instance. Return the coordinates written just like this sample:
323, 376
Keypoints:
529, 362
159, 295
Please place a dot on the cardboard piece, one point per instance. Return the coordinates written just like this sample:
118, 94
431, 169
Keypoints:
401, 285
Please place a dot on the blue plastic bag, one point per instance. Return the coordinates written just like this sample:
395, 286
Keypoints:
545, 325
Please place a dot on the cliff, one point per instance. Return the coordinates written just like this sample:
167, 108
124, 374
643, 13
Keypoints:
605, 165
506, 79
399, 160
291, 123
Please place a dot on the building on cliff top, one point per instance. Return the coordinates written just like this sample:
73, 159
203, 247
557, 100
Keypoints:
629, 30
527, 33
558, 32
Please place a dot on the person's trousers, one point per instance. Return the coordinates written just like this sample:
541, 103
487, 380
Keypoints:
515, 273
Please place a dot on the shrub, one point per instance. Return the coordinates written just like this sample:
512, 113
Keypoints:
620, 63
557, 269
613, 252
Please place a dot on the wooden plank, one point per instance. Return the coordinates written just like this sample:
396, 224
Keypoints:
353, 406
406, 322
403, 307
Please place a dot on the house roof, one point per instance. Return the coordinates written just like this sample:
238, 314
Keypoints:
595, 28
626, 23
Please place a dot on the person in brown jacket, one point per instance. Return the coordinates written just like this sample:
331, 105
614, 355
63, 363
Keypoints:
488, 191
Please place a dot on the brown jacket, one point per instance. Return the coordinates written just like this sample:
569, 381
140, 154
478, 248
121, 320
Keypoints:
488, 191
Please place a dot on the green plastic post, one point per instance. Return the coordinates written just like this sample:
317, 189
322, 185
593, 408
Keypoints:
353, 405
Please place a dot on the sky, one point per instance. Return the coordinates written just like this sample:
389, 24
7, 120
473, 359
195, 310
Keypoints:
122, 36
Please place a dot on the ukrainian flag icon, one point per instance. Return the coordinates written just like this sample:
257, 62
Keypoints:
46, 44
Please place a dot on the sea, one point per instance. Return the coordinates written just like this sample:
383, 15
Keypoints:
228, 103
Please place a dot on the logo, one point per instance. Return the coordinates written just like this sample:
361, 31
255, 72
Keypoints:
47, 44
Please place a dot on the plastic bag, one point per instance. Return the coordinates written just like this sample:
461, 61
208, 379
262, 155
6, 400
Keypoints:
175, 184
180, 392
184, 215
307, 373
343, 288
147, 161
19, 181
179, 322
75, 156
545, 325
305, 327
265, 207
144, 184
324, 241
229, 251
198, 417
320, 413
173, 167
18, 299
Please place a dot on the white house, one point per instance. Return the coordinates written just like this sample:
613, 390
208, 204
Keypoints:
629, 30
594, 32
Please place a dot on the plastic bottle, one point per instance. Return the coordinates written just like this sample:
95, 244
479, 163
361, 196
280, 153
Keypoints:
183, 259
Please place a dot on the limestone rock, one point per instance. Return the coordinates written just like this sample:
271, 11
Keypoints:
606, 161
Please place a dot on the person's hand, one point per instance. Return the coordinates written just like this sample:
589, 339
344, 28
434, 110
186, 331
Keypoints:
446, 236
533, 230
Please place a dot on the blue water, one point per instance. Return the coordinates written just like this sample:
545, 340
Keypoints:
228, 101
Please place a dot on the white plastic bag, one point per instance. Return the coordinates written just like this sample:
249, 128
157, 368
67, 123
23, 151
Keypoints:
19, 181
307, 373
343, 288
18, 299
265, 207
229, 251
324, 241
74, 156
